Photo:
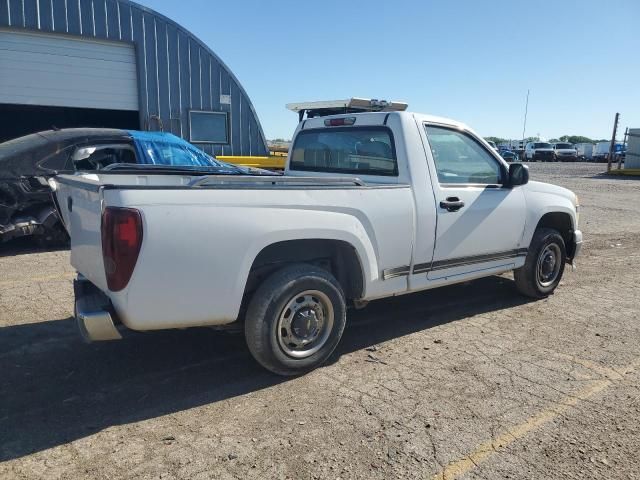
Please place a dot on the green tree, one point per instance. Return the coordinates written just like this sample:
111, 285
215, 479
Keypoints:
576, 139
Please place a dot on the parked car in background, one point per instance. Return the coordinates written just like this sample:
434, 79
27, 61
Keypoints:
543, 151
492, 144
509, 156
27, 163
565, 152
585, 151
371, 205
601, 151
516, 145
620, 151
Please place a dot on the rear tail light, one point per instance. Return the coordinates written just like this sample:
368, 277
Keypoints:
121, 242
339, 122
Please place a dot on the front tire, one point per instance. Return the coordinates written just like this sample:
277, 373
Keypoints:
544, 266
295, 319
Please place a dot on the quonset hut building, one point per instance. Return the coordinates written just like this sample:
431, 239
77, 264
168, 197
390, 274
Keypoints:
114, 63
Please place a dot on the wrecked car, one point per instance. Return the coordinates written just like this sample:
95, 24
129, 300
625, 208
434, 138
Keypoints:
28, 163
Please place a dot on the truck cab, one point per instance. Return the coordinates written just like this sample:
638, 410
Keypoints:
565, 152
543, 151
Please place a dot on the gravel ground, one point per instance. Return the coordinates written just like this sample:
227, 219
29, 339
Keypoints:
469, 381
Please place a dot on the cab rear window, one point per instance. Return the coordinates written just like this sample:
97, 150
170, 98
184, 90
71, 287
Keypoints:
357, 150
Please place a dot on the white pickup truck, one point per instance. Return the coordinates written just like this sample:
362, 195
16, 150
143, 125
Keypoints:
371, 205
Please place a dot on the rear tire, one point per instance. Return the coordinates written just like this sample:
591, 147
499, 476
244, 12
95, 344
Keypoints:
544, 266
295, 319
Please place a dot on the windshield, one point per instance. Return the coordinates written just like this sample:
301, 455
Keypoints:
564, 146
359, 150
541, 145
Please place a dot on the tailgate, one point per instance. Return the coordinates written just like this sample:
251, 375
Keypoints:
80, 205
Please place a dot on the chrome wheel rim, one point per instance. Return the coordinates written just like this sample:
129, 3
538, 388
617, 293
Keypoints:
549, 262
305, 323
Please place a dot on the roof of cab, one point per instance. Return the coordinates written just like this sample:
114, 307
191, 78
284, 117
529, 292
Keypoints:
380, 117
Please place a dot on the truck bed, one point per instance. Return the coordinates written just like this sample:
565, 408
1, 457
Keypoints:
127, 180
202, 233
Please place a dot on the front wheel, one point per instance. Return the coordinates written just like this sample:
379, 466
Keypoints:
295, 319
544, 265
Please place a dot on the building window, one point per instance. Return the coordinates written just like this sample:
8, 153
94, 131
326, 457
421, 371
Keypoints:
208, 127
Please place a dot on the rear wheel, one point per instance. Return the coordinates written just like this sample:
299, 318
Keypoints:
544, 265
295, 319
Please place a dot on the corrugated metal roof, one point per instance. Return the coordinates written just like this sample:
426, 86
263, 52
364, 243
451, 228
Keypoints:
176, 71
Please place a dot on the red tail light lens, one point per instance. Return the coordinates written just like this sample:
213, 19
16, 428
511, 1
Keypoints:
339, 122
121, 242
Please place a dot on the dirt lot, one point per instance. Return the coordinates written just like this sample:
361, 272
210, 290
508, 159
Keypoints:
470, 381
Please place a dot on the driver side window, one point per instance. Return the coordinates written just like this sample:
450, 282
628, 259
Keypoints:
460, 159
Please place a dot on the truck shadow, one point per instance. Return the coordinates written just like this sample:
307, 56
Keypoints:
55, 389
25, 246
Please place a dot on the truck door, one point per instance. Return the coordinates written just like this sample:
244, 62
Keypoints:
480, 221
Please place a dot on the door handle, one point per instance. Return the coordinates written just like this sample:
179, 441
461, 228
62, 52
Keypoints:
452, 204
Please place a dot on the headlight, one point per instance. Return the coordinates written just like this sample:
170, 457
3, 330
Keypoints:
576, 203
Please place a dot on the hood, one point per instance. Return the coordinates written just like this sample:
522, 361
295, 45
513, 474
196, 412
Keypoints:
566, 150
552, 189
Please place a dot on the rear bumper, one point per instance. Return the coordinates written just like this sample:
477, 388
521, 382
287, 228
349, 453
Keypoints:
93, 312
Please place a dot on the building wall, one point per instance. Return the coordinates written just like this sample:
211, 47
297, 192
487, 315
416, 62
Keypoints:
176, 71
632, 159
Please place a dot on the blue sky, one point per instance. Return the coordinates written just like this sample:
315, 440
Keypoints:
469, 60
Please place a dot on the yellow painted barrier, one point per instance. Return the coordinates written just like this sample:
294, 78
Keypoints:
630, 172
273, 162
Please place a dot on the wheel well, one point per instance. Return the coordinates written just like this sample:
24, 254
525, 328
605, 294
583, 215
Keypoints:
562, 223
338, 257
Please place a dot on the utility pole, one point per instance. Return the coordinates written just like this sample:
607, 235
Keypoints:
612, 147
526, 110
624, 143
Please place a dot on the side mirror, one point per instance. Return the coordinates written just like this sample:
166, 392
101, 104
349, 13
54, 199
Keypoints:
518, 174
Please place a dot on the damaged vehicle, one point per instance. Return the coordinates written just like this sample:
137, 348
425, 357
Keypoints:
28, 163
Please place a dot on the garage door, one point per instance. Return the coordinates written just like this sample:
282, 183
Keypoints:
64, 71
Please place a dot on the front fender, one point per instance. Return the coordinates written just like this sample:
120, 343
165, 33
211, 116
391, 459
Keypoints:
540, 205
